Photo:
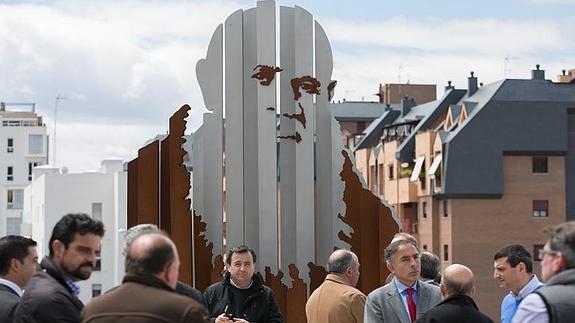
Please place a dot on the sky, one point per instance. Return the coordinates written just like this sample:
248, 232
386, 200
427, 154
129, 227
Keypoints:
123, 67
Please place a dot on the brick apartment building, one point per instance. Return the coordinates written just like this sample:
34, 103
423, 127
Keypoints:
478, 169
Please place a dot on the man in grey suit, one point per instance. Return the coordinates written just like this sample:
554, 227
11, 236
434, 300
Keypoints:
405, 298
18, 263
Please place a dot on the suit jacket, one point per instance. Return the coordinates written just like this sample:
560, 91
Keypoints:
8, 301
385, 305
457, 308
335, 302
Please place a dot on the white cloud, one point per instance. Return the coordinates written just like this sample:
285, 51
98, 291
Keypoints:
126, 66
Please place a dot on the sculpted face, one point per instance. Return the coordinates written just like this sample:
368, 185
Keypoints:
241, 268
406, 264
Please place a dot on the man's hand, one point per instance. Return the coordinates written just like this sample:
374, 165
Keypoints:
222, 318
236, 320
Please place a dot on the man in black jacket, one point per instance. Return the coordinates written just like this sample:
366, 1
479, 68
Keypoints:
457, 287
18, 263
241, 297
52, 294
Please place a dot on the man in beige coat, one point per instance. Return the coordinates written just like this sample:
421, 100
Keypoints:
337, 299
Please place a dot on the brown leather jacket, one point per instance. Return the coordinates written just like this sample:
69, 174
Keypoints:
143, 299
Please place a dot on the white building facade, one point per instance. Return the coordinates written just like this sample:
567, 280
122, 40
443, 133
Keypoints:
23, 146
102, 195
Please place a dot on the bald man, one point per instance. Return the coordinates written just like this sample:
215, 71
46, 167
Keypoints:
336, 299
147, 291
457, 288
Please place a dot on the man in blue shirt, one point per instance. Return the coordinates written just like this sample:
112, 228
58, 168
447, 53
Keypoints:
513, 270
555, 302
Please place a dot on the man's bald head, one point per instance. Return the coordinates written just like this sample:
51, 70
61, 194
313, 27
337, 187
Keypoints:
150, 253
345, 264
457, 280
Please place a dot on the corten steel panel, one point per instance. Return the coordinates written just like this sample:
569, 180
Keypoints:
287, 159
175, 190
373, 228
148, 183
209, 72
133, 192
165, 189
250, 101
266, 141
234, 136
303, 47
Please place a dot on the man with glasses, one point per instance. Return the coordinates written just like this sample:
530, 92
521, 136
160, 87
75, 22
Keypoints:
555, 302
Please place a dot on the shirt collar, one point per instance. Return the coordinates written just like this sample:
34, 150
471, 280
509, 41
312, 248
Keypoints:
402, 287
238, 287
529, 288
12, 286
75, 289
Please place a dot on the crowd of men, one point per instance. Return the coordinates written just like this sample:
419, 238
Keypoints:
415, 291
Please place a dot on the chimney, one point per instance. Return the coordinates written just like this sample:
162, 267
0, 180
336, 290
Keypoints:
406, 105
472, 84
449, 86
537, 74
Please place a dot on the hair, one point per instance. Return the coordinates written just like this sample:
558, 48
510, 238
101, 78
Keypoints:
430, 266
562, 239
404, 236
73, 223
152, 260
515, 254
341, 262
457, 288
137, 231
239, 249
13, 247
392, 248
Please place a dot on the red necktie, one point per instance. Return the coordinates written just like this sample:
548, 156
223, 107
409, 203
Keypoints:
411, 303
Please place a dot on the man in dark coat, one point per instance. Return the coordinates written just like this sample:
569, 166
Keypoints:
181, 288
147, 291
241, 297
457, 287
52, 294
18, 263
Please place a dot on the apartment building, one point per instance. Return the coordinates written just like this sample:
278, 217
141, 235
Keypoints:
102, 194
355, 117
478, 169
23, 146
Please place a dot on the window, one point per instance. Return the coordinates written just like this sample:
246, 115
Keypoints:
96, 290
10, 146
445, 213
381, 178
424, 209
539, 165
13, 226
10, 173
536, 249
98, 265
35, 144
422, 176
31, 166
445, 252
541, 208
15, 199
390, 172
97, 211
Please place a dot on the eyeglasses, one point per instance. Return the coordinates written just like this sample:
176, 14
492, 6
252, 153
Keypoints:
542, 253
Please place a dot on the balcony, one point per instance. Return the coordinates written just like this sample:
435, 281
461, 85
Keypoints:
407, 190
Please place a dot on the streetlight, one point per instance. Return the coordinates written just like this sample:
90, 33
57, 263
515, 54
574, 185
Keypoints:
58, 98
